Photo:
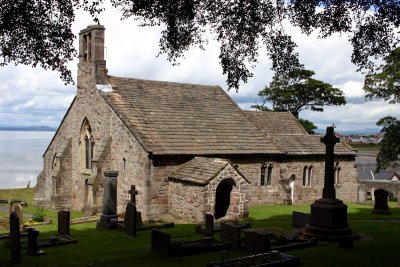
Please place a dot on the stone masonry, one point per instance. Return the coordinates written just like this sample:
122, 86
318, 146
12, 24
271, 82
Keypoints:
105, 130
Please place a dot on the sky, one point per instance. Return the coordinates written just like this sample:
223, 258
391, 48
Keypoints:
33, 96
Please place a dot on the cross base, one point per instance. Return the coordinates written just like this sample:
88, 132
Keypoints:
328, 220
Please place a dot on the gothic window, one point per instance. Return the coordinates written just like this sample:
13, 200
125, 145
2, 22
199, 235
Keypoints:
262, 177
269, 175
337, 173
87, 145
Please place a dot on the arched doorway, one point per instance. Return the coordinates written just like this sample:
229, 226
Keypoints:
291, 185
223, 197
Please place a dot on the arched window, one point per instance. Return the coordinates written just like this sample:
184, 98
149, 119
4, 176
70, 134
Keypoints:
269, 175
87, 145
337, 173
262, 176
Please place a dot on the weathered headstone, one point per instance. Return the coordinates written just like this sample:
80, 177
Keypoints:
231, 233
257, 242
33, 248
64, 221
18, 211
130, 219
15, 243
362, 194
160, 241
381, 202
209, 225
109, 217
328, 218
300, 219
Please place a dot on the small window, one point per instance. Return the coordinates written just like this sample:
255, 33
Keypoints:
269, 175
305, 175
310, 175
262, 177
337, 173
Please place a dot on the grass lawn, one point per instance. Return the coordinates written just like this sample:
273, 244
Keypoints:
112, 248
366, 147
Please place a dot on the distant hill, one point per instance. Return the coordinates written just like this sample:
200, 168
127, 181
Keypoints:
349, 132
28, 128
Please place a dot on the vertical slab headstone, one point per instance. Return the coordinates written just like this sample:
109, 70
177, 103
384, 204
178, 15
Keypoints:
130, 219
33, 248
15, 242
209, 225
381, 202
18, 211
64, 221
109, 217
362, 194
231, 233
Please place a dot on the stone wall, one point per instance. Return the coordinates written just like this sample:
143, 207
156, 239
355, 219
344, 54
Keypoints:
186, 201
125, 154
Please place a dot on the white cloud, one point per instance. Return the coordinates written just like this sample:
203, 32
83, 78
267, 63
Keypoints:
37, 97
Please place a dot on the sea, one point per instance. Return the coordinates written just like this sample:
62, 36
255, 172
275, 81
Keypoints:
21, 158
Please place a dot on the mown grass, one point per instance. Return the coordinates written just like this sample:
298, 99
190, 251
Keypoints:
366, 147
113, 248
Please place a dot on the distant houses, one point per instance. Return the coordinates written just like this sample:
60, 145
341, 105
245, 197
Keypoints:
362, 139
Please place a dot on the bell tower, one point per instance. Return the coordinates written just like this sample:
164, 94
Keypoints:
91, 54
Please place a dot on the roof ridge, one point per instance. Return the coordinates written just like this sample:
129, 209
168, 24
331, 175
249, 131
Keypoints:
163, 82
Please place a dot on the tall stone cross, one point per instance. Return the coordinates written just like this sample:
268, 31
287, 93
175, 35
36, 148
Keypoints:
330, 140
133, 192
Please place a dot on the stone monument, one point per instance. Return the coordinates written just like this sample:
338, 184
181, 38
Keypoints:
130, 218
328, 218
15, 238
109, 217
381, 202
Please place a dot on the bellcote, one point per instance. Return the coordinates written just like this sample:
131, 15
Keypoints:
91, 53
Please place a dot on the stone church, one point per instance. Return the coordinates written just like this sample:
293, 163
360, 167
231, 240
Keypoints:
188, 148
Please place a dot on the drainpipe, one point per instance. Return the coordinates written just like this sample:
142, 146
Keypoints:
372, 174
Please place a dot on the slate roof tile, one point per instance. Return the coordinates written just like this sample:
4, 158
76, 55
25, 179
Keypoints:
175, 118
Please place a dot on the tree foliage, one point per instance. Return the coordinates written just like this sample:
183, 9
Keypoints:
296, 91
386, 82
39, 31
389, 154
308, 126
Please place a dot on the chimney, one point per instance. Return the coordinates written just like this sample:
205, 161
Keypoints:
91, 54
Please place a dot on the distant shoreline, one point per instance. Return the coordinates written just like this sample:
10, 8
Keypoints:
27, 129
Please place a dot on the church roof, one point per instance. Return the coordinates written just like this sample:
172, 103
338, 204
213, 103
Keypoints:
288, 133
173, 118
199, 170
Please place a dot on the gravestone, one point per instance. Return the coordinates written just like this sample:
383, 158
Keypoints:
130, 218
257, 242
64, 221
209, 225
160, 241
231, 233
15, 242
109, 217
33, 248
300, 219
18, 211
362, 194
328, 218
381, 202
